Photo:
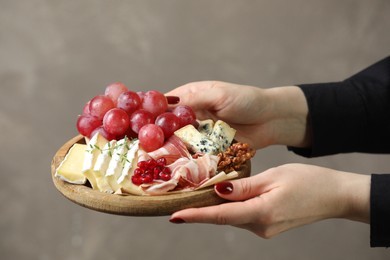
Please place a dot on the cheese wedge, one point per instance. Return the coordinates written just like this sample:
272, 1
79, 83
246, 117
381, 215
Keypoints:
196, 141
126, 185
116, 164
94, 148
101, 166
222, 135
70, 169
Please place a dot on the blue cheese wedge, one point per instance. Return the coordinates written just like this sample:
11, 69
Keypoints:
196, 141
222, 135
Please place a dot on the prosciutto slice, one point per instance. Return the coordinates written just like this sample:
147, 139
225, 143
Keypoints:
187, 174
173, 149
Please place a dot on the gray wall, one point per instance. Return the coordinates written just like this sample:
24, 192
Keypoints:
55, 55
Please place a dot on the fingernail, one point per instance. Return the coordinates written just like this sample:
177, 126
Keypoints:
224, 187
173, 100
177, 220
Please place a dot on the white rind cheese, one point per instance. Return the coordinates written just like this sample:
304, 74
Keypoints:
115, 167
101, 167
130, 161
94, 148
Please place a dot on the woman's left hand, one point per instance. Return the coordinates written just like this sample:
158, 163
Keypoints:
285, 197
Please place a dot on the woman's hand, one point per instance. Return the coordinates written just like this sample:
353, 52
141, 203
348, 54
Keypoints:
285, 197
261, 116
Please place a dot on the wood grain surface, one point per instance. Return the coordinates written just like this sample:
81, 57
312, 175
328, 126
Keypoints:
131, 205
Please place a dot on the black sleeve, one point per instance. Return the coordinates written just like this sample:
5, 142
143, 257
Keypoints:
354, 116
380, 210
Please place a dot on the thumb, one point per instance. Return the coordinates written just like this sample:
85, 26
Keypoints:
241, 189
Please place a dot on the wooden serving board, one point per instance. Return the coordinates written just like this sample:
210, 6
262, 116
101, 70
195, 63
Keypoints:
131, 205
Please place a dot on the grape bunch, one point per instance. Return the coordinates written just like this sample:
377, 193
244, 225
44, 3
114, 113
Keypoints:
121, 112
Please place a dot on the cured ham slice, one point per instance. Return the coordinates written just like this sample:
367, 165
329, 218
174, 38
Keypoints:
173, 149
187, 174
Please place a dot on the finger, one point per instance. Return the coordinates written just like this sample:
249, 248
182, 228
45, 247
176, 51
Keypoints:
242, 189
198, 95
232, 213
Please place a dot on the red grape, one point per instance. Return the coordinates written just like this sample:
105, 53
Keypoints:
140, 118
114, 90
86, 108
155, 102
129, 101
103, 133
185, 113
151, 137
116, 121
86, 124
99, 106
168, 122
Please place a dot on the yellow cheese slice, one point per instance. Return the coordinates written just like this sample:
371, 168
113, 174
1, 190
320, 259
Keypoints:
70, 169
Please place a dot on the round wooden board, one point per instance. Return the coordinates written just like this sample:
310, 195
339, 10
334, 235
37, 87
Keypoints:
132, 205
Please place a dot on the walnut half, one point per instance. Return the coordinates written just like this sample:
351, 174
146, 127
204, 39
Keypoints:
235, 156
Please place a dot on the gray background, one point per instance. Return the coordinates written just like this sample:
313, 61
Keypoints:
55, 55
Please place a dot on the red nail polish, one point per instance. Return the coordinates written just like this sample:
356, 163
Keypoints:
173, 100
224, 187
177, 220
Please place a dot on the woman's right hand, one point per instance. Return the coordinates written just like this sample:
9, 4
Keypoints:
261, 116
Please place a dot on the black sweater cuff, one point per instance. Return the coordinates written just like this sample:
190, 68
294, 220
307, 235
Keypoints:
380, 210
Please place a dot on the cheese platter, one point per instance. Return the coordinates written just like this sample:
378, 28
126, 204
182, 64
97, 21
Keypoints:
137, 155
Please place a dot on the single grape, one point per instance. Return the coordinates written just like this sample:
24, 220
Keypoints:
129, 101
151, 137
140, 118
86, 108
86, 124
169, 123
155, 102
99, 106
116, 121
103, 133
114, 90
185, 113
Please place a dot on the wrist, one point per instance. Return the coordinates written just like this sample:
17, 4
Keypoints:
289, 116
355, 192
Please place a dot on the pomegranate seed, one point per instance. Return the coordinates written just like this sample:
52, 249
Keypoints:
138, 172
143, 165
166, 171
146, 178
151, 163
162, 161
136, 180
165, 176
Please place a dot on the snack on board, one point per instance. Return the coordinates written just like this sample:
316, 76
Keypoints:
136, 145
